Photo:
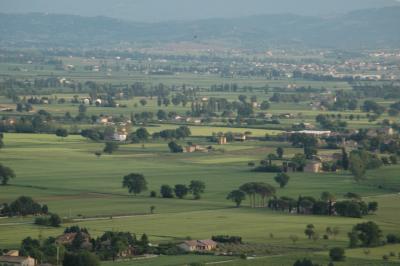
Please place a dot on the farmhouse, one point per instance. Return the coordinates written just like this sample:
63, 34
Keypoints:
98, 102
86, 101
68, 238
193, 120
104, 119
315, 133
313, 167
5, 109
222, 140
119, 136
12, 258
195, 148
198, 245
239, 137
388, 131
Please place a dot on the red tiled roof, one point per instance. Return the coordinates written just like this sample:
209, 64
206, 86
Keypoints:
208, 242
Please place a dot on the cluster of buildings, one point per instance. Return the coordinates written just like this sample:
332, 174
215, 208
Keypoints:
12, 258
192, 120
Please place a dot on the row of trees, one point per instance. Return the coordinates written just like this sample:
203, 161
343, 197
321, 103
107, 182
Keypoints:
23, 206
196, 188
142, 135
257, 192
136, 184
325, 205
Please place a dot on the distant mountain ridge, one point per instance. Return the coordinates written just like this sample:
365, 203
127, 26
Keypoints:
162, 10
370, 28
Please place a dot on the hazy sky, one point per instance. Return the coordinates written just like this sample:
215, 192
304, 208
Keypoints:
161, 10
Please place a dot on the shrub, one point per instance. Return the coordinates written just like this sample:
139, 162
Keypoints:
53, 220
227, 239
337, 254
268, 169
393, 239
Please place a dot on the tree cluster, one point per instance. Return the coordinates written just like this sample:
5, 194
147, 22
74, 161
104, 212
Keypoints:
196, 188
23, 206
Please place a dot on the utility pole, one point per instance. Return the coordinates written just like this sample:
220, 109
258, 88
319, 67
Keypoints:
58, 255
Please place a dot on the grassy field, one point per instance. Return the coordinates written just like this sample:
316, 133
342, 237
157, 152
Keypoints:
66, 175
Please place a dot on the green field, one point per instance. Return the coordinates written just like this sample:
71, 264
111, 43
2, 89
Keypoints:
66, 175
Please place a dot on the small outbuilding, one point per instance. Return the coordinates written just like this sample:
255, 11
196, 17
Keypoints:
313, 167
222, 140
198, 245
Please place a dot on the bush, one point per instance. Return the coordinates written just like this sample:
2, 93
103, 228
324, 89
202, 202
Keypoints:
153, 194
169, 249
227, 239
304, 262
110, 147
393, 239
337, 254
80, 259
166, 191
268, 169
53, 220
174, 147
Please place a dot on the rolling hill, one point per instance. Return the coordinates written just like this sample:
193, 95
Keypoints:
370, 28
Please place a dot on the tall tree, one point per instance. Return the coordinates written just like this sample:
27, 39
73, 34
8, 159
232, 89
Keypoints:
110, 147
250, 190
309, 231
181, 190
62, 133
1, 140
368, 234
261, 189
6, 174
136, 183
236, 196
197, 188
166, 191
345, 159
282, 179
279, 152
299, 161
142, 134
329, 198
265, 191
357, 167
